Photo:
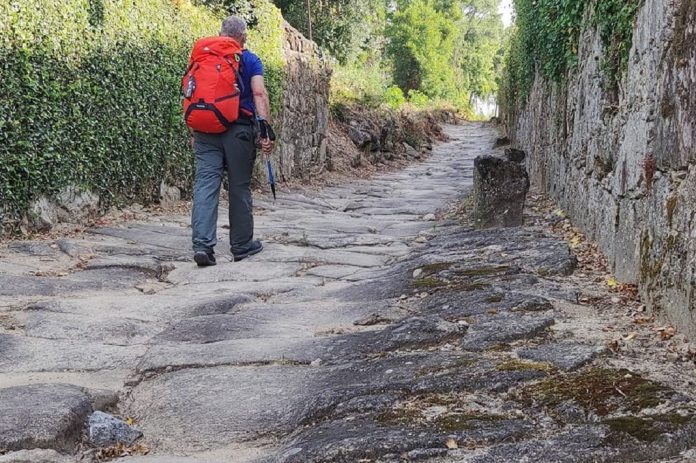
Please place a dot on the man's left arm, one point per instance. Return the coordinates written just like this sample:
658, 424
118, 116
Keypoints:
263, 108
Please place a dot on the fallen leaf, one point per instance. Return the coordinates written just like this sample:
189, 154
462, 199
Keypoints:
451, 443
666, 332
643, 319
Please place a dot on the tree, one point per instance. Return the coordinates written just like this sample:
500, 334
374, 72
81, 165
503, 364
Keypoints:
479, 46
421, 38
446, 48
345, 28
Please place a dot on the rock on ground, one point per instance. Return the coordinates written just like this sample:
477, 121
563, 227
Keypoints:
106, 430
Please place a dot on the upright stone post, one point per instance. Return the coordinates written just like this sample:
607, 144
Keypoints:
500, 191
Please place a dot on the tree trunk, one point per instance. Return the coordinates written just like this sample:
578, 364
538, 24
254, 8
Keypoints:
309, 19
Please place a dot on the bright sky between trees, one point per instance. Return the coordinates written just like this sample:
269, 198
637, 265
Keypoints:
506, 11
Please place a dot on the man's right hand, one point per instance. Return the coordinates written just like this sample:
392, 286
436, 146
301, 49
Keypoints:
266, 146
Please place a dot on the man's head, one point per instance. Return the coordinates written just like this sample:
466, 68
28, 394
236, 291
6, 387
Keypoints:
235, 27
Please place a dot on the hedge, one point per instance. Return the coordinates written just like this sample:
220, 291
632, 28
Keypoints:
89, 96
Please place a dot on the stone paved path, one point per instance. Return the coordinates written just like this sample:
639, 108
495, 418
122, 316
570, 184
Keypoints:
368, 330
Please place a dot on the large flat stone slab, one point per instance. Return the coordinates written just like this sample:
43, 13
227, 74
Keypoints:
42, 416
490, 331
249, 351
198, 409
24, 354
564, 355
248, 271
36, 456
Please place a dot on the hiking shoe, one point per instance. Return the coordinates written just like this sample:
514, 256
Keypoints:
204, 259
256, 247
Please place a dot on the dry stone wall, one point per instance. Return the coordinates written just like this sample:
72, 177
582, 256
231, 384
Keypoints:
624, 165
304, 115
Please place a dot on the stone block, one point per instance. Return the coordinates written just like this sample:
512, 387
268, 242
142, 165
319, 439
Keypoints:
169, 194
500, 191
48, 416
77, 205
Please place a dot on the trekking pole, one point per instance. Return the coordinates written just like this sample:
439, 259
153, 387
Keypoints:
271, 180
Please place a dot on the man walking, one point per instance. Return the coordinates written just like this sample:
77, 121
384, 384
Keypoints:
232, 151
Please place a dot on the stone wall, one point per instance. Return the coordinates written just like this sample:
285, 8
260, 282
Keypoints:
623, 165
304, 116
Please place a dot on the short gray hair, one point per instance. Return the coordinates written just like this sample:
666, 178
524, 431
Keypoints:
235, 27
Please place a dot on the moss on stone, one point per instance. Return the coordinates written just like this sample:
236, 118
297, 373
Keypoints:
649, 269
429, 283
500, 347
482, 271
645, 428
603, 167
671, 208
603, 391
433, 269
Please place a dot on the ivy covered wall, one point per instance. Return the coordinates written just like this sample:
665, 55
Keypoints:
90, 95
606, 109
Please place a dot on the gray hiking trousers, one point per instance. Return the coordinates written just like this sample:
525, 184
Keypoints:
234, 152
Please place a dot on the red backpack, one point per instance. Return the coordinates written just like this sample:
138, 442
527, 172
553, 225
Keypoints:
212, 85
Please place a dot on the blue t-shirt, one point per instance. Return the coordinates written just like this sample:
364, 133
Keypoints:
250, 66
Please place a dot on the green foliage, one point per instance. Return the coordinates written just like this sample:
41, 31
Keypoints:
394, 97
90, 96
479, 47
421, 44
418, 98
615, 21
344, 28
359, 83
446, 49
545, 40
